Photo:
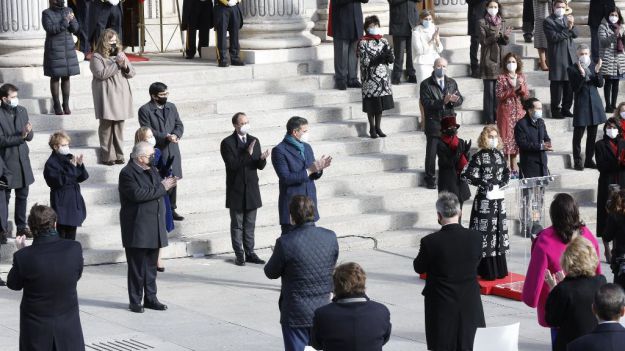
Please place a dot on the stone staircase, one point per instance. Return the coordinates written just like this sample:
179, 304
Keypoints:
373, 189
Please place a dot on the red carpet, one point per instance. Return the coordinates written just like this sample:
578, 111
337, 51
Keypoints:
136, 58
509, 287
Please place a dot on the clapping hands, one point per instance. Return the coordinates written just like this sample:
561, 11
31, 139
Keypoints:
553, 279
320, 164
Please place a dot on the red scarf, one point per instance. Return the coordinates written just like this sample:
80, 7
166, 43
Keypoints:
371, 37
495, 21
452, 141
614, 146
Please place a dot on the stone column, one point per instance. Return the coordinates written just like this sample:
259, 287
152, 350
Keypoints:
276, 24
451, 17
21, 33
513, 12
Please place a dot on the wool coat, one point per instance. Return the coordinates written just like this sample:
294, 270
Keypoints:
560, 47
612, 61
197, 15
614, 233
610, 172
13, 147
588, 110
162, 122
112, 96
346, 17
492, 42
510, 108
373, 73
432, 98
59, 55
403, 17
530, 136
64, 180
605, 337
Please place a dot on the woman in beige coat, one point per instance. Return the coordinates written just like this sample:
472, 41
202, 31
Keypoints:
112, 96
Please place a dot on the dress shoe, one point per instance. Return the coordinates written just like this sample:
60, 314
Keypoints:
556, 114
154, 305
578, 167
107, 163
379, 132
160, 269
590, 164
528, 38
340, 85
120, 161
253, 258
135, 308
373, 134
176, 216
430, 186
412, 79
223, 64
237, 62
66, 109
609, 109
239, 261
395, 81
567, 114
24, 231
354, 84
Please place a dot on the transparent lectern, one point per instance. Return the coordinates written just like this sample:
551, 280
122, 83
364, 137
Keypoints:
531, 195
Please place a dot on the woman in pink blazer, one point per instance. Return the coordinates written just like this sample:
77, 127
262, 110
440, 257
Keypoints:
548, 248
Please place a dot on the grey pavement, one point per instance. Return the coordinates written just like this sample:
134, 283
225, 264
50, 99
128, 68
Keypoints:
215, 305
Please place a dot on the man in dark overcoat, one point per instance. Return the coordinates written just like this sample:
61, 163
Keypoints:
81, 9
530, 134
142, 219
228, 20
163, 119
449, 257
197, 16
439, 96
48, 271
103, 15
15, 132
560, 32
347, 28
404, 17
476, 10
242, 155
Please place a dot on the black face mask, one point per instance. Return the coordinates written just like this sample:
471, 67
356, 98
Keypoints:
151, 160
59, 3
450, 131
161, 100
113, 51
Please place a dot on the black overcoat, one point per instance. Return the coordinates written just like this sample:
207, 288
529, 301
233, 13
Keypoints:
346, 17
13, 148
529, 136
610, 172
614, 232
403, 18
588, 110
48, 271
59, 56
170, 124
598, 10
242, 191
448, 178
64, 180
453, 306
560, 48
432, 99
605, 337
197, 15
476, 10
142, 213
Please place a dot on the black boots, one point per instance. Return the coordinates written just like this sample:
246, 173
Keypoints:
374, 125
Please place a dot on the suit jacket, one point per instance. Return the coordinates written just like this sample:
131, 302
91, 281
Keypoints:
48, 271
528, 136
404, 17
142, 213
560, 48
452, 295
605, 337
293, 177
13, 148
432, 99
242, 191
161, 125
344, 325
346, 19
64, 180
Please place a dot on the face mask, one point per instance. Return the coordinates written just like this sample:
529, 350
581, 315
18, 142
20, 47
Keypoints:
64, 150
622, 114
439, 72
59, 3
151, 141
450, 131
113, 51
304, 138
426, 24
245, 129
511, 66
374, 30
493, 12
613, 19
584, 60
538, 114
611, 133
13, 102
161, 100
559, 12
150, 161
493, 142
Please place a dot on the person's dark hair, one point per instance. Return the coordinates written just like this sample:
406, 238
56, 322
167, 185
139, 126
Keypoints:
295, 123
616, 205
609, 302
499, 13
6, 89
369, 20
618, 12
614, 123
41, 219
302, 209
157, 87
235, 117
447, 204
564, 215
529, 103
555, 2
519, 62
349, 280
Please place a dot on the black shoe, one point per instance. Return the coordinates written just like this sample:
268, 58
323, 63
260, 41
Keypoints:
176, 216
340, 85
58, 110
237, 63
567, 114
135, 308
430, 186
160, 269
373, 134
239, 261
120, 161
154, 305
528, 38
223, 64
609, 109
395, 81
66, 109
578, 167
253, 258
379, 132
590, 164
24, 231
412, 79
3, 237
354, 84
556, 114
107, 163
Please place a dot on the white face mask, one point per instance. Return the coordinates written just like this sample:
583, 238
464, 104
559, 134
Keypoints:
151, 141
305, 137
622, 114
559, 12
426, 24
374, 30
584, 60
14, 102
613, 19
493, 11
538, 114
511, 67
493, 142
64, 150
244, 129
611, 133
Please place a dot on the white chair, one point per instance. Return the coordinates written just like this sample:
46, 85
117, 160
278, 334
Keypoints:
505, 338
309, 348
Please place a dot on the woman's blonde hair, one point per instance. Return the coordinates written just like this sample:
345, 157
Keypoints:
579, 258
482, 141
103, 47
57, 137
140, 134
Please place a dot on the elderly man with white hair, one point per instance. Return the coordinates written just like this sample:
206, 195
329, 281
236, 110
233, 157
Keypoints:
142, 219
439, 96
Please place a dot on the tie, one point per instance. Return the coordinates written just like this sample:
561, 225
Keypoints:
441, 84
244, 139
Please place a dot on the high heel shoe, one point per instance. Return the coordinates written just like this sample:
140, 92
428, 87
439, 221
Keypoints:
57, 109
66, 109
160, 269
379, 132
543, 66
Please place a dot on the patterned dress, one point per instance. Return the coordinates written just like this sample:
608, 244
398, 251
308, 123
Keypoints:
377, 95
542, 10
486, 169
510, 109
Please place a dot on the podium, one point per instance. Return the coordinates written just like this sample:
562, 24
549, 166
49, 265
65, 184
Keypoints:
531, 196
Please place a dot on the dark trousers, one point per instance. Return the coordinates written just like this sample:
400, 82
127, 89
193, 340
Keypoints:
528, 17
345, 62
66, 231
192, 47
106, 16
430, 159
610, 92
21, 199
561, 93
242, 224
578, 133
594, 43
172, 198
295, 339
227, 20
401, 46
473, 50
141, 274
489, 102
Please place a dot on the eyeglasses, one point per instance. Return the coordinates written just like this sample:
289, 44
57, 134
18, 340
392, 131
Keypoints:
164, 94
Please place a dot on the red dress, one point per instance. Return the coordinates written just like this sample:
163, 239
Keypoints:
509, 109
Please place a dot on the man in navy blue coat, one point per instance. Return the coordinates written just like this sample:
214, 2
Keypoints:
294, 162
609, 335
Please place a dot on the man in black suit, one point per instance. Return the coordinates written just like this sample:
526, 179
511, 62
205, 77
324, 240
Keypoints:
404, 17
453, 307
530, 134
609, 335
242, 155
48, 271
142, 219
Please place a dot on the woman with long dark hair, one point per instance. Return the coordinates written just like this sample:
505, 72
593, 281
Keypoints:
614, 232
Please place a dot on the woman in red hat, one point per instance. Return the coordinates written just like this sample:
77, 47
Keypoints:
453, 156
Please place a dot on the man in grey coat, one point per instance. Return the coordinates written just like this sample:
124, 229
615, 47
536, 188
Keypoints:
142, 219
404, 17
163, 119
15, 132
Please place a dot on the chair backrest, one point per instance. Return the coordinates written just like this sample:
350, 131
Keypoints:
309, 348
505, 338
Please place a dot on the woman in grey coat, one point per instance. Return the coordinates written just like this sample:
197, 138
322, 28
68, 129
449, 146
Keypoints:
59, 55
542, 10
612, 53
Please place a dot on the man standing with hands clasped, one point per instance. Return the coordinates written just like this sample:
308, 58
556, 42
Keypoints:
295, 164
242, 155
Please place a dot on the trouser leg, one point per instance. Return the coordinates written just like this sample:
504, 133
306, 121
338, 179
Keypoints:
190, 47
555, 90
340, 60
105, 134
115, 21
21, 202
615, 87
578, 133
410, 69
249, 225
221, 29
399, 47
203, 40
150, 264
66, 231
473, 49
607, 92
352, 62
594, 43
489, 102
118, 139
430, 160
233, 30
236, 231
172, 197
295, 339
136, 274
591, 137
567, 96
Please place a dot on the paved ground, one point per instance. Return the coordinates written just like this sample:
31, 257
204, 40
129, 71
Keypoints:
215, 305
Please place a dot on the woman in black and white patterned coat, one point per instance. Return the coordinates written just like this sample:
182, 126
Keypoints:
375, 55
612, 54
488, 171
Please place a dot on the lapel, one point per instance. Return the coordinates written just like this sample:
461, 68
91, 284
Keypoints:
161, 121
142, 173
437, 88
294, 151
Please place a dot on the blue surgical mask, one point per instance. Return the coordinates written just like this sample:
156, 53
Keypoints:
426, 24
14, 102
374, 31
538, 114
439, 72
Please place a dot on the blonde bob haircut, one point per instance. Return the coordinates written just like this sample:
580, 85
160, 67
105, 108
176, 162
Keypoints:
579, 258
57, 137
103, 47
482, 141
349, 279
141, 133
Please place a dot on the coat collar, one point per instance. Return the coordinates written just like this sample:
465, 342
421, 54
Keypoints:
42, 240
609, 327
293, 150
134, 166
154, 106
452, 226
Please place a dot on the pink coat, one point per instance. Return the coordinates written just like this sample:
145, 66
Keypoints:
546, 255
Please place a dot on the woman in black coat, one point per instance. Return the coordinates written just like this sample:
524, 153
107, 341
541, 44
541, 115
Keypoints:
63, 173
453, 156
59, 55
614, 232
